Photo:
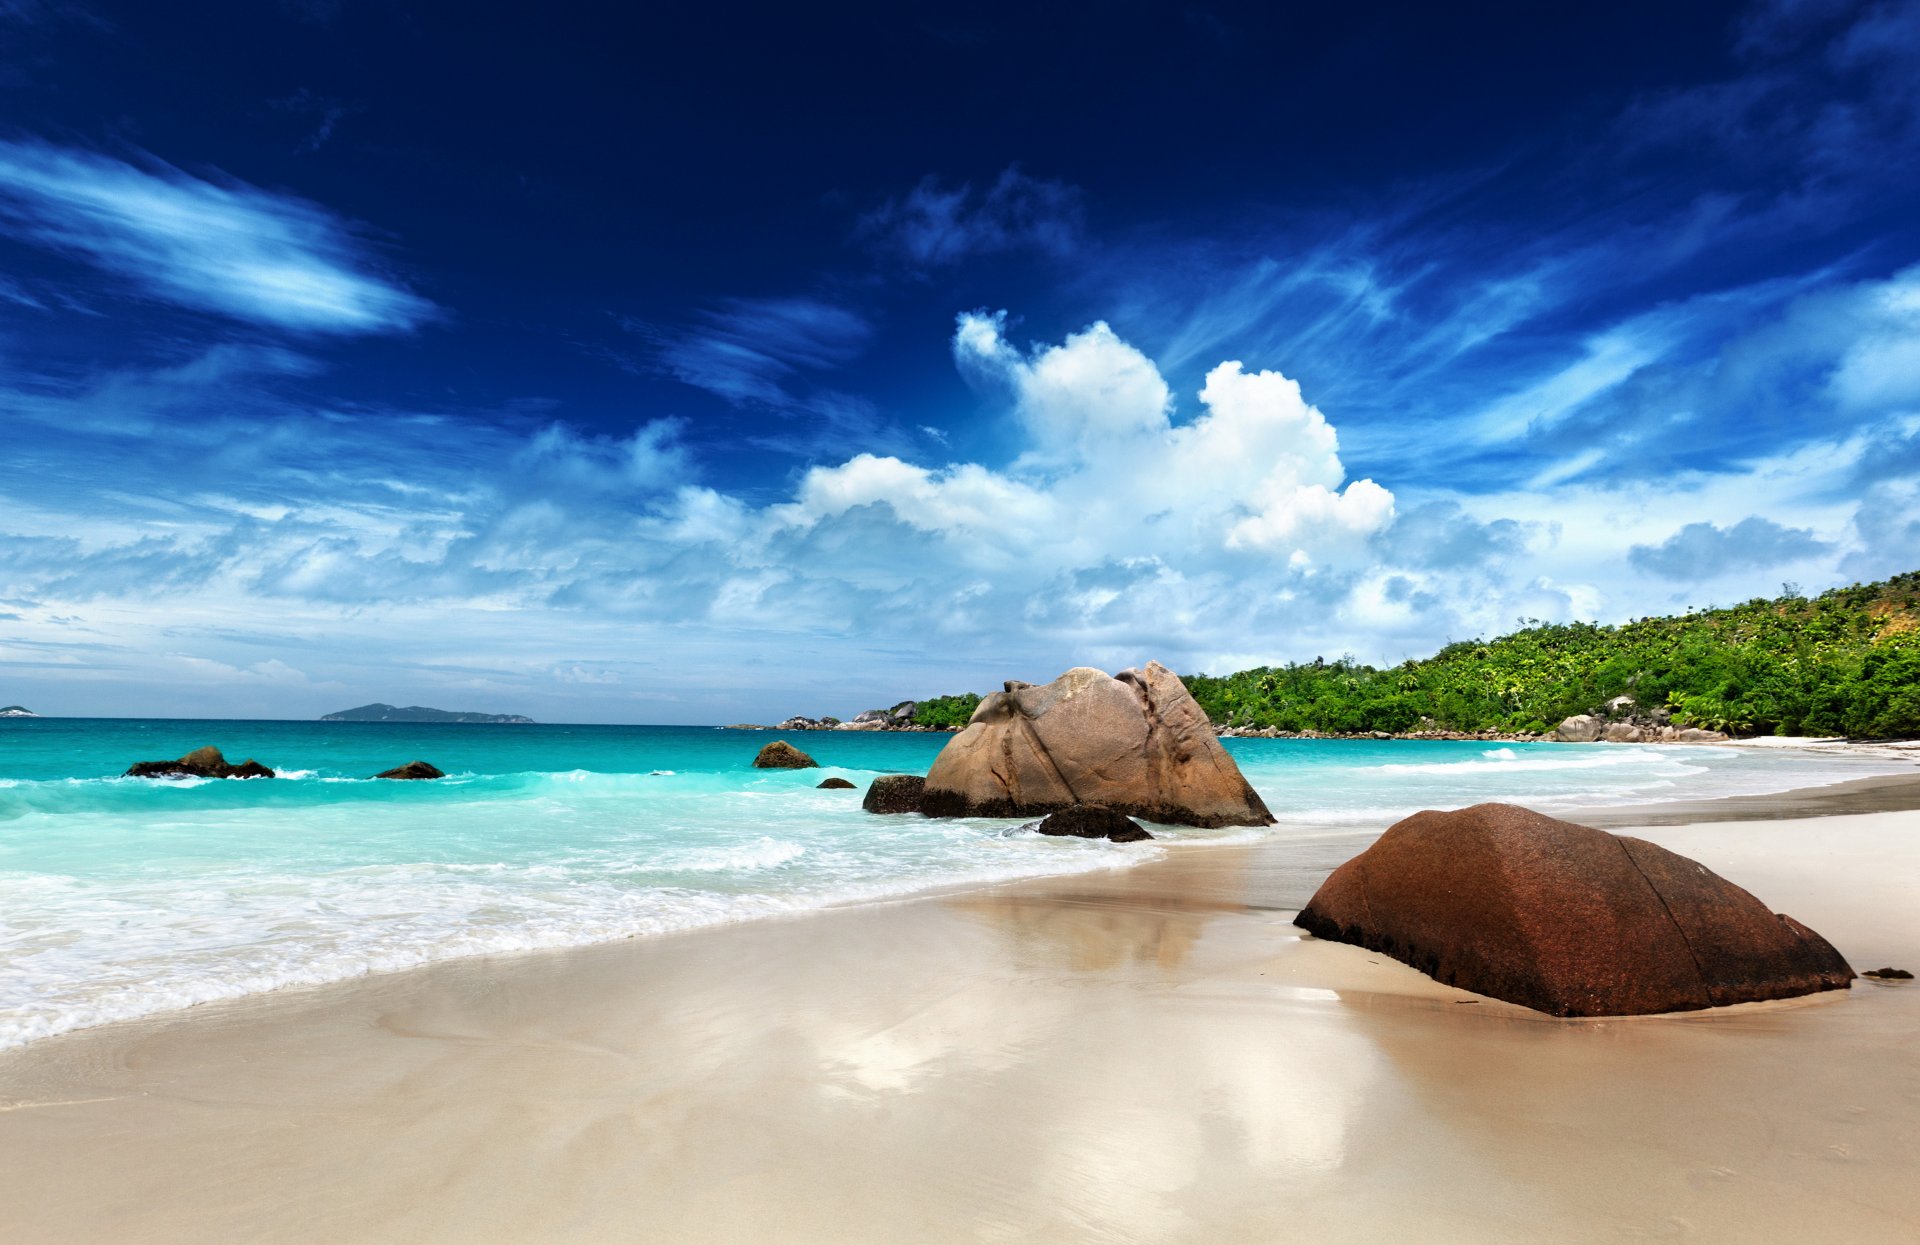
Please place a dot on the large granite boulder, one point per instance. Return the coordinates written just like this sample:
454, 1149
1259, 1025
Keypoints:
782, 755
200, 763
894, 793
1624, 733
1135, 741
1093, 821
412, 771
1565, 919
1581, 728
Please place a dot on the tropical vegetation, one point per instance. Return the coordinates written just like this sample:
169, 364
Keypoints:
1846, 662
946, 712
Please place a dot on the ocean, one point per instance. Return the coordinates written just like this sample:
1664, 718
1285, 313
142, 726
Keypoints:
127, 897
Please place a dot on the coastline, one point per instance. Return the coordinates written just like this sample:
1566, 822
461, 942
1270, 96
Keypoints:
1147, 1053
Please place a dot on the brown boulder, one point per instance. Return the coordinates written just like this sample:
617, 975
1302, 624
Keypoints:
1093, 821
894, 793
412, 771
836, 784
204, 762
1135, 742
1565, 919
1581, 728
782, 755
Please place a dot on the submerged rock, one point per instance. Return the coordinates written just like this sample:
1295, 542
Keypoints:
1135, 742
1889, 974
1093, 821
200, 763
782, 755
412, 771
836, 784
894, 793
1565, 919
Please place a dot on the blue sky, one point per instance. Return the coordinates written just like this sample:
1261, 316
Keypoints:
736, 362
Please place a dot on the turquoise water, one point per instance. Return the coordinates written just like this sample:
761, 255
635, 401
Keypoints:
124, 897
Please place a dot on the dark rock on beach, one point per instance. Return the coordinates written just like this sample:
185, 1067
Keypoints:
200, 763
836, 784
1889, 974
1093, 821
894, 793
782, 755
412, 771
1135, 742
1565, 919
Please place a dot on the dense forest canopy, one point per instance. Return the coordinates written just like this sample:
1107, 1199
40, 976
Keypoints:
1846, 662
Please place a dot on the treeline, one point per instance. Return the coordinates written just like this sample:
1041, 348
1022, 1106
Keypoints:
946, 712
1846, 662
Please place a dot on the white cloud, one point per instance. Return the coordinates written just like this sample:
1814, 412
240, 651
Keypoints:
228, 248
1211, 529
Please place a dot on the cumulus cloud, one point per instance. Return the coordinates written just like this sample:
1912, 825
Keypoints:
1106, 472
228, 248
1706, 551
511, 558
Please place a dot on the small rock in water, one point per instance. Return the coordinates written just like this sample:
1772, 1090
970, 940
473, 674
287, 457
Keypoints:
1889, 974
894, 793
836, 784
200, 763
1093, 821
412, 770
782, 755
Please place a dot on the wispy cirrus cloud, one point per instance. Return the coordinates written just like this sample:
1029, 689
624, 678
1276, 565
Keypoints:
934, 225
225, 247
752, 349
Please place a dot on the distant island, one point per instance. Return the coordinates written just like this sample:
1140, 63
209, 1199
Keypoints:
17, 711
420, 713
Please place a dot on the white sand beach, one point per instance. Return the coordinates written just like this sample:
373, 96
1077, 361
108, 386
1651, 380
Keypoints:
1147, 1055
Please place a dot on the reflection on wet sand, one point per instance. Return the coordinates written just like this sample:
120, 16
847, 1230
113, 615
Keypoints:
1149, 1055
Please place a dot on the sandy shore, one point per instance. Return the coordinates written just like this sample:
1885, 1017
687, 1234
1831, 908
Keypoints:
1146, 1055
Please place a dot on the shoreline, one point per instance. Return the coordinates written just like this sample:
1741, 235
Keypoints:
1051, 1056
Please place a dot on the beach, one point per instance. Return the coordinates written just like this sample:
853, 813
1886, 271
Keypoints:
1143, 1054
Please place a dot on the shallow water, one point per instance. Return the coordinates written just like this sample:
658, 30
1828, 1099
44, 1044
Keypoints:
123, 897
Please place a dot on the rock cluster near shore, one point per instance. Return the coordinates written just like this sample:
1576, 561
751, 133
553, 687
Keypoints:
1274, 732
898, 718
1135, 741
1620, 721
1565, 919
1588, 729
204, 762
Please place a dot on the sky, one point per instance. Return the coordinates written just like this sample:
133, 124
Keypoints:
700, 364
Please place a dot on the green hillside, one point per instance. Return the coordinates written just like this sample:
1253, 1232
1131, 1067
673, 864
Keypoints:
1844, 663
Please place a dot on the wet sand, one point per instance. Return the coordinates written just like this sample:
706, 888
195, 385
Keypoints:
1146, 1055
